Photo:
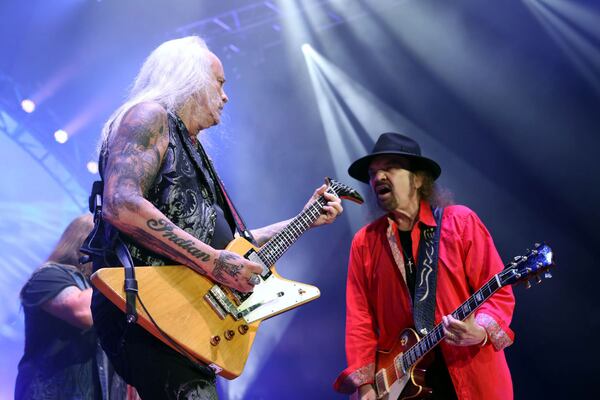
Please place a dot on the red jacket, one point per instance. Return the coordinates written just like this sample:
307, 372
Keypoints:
379, 306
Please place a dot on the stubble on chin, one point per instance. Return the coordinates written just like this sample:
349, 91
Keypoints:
388, 205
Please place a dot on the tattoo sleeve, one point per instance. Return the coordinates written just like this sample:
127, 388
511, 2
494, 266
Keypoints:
134, 157
135, 154
166, 229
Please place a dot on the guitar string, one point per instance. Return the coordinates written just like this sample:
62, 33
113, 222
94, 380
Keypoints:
411, 356
176, 345
273, 254
271, 251
467, 308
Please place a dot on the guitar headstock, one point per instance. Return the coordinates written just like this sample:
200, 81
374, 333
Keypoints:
537, 261
344, 191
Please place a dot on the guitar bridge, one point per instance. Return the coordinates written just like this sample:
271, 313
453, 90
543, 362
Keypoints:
220, 303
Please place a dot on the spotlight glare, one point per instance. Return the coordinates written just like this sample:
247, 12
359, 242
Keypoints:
61, 136
28, 106
306, 48
92, 167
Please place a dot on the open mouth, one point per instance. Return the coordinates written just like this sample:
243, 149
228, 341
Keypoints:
383, 189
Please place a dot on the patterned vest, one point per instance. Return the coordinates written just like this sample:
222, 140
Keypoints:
183, 191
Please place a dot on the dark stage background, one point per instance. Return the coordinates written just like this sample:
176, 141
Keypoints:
504, 94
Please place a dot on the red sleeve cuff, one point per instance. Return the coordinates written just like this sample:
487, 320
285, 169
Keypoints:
352, 378
500, 336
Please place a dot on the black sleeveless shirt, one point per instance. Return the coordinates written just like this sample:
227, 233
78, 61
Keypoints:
185, 192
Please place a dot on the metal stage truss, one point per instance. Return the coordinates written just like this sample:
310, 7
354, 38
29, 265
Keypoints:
253, 28
25, 137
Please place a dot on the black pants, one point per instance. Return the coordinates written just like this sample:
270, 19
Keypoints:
153, 368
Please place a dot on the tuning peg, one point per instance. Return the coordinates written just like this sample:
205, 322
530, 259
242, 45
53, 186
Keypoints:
547, 275
527, 284
538, 279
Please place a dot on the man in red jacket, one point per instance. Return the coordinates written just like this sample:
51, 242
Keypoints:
390, 269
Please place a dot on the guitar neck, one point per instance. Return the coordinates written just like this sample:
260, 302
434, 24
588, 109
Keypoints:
418, 351
274, 248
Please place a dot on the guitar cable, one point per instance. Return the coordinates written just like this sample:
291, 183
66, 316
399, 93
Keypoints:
179, 348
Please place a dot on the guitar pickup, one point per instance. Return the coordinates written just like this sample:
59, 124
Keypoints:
222, 303
381, 382
214, 305
252, 255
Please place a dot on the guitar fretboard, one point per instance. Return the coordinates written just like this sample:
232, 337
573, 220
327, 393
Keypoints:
422, 347
282, 241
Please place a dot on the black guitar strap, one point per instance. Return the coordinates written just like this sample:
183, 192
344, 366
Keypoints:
239, 222
426, 279
104, 244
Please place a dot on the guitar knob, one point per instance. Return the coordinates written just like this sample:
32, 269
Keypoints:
229, 334
242, 329
527, 284
215, 340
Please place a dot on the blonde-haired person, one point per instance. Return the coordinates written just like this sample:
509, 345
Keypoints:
163, 197
62, 357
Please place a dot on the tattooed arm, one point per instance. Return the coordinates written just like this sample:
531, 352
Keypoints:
135, 153
329, 214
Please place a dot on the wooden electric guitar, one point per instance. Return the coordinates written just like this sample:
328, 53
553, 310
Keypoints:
400, 372
210, 322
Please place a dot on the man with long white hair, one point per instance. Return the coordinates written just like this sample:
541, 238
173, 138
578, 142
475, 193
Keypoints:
161, 193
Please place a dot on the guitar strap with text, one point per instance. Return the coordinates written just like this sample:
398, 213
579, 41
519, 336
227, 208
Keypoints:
426, 279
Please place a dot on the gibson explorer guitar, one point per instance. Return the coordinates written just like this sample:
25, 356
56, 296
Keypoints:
400, 371
208, 321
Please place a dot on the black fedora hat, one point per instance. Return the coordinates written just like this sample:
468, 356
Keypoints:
399, 145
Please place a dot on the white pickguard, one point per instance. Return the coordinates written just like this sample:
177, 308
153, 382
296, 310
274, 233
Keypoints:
268, 293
